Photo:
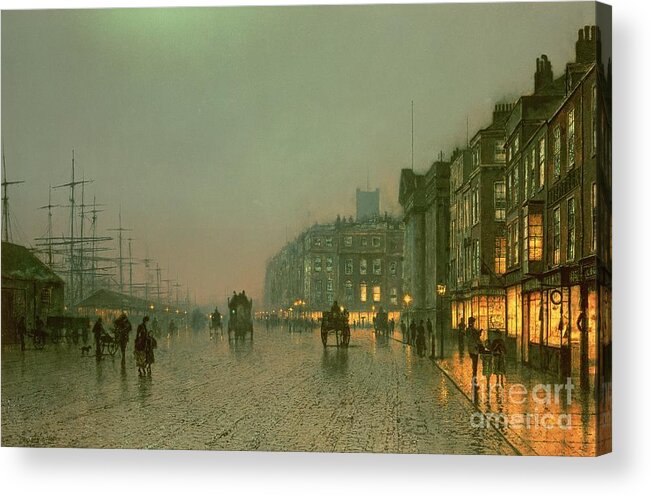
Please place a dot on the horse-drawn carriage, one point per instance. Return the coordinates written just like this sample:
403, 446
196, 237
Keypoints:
240, 319
335, 322
381, 322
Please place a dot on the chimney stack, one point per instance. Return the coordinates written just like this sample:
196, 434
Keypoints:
544, 74
588, 45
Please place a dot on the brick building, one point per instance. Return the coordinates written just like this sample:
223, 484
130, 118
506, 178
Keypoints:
477, 227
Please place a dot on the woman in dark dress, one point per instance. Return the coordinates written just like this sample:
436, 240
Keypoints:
140, 346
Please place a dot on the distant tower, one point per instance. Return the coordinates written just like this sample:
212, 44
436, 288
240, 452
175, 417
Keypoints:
368, 204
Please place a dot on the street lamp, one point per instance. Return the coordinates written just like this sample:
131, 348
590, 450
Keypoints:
441, 290
407, 300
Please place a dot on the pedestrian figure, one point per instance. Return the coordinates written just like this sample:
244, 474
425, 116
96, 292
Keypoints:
392, 325
412, 333
141, 345
420, 339
21, 329
499, 360
430, 334
155, 327
487, 364
39, 328
122, 330
152, 344
461, 336
98, 331
84, 334
403, 329
473, 337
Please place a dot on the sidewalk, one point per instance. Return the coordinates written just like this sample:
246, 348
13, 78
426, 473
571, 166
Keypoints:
532, 410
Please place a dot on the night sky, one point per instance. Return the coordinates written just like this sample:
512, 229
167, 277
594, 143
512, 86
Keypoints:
222, 132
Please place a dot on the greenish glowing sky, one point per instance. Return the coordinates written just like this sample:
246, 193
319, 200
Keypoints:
219, 130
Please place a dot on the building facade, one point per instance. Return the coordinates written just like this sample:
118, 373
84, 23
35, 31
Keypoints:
30, 289
425, 199
558, 184
477, 227
356, 263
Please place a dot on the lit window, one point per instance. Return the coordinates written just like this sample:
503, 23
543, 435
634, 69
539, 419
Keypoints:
533, 237
500, 255
541, 162
594, 119
476, 261
571, 228
593, 202
377, 294
570, 139
499, 196
533, 171
362, 292
46, 296
348, 291
500, 152
556, 157
557, 236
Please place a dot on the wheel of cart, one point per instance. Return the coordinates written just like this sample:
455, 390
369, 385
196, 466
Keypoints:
109, 345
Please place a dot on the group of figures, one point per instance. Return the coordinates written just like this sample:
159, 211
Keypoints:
415, 334
491, 352
144, 344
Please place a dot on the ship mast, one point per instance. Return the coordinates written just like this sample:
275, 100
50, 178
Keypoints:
6, 228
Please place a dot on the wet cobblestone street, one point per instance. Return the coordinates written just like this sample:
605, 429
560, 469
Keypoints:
282, 391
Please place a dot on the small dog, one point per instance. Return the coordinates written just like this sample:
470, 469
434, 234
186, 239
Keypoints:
85, 350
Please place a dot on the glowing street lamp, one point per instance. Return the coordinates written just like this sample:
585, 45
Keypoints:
441, 289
